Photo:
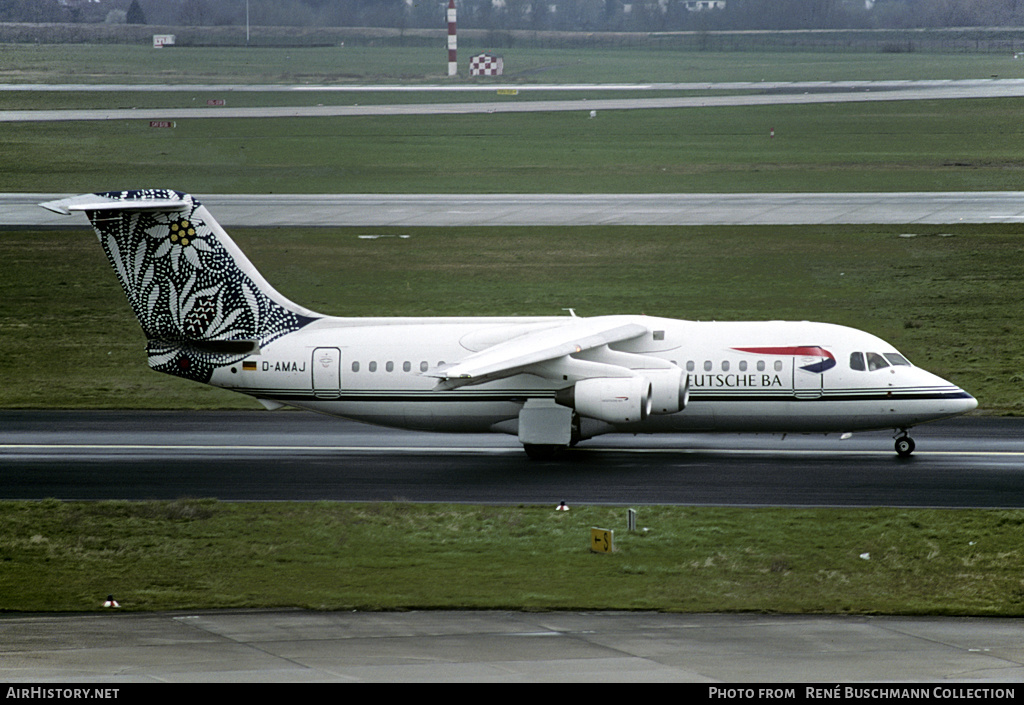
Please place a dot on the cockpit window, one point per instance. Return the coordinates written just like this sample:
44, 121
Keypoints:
876, 362
897, 359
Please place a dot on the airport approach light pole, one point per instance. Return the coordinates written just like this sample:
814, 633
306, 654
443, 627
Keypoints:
453, 65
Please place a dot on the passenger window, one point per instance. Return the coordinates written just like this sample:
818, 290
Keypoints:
743, 365
389, 366
897, 359
373, 367
406, 366
760, 365
725, 365
355, 366
424, 366
778, 365
690, 366
857, 361
876, 362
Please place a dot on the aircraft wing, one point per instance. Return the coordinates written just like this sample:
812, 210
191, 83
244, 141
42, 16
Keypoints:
516, 355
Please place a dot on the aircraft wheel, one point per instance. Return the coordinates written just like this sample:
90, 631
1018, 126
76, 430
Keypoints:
904, 446
540, 451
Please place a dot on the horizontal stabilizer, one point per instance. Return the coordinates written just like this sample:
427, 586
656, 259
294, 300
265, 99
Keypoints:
99, 202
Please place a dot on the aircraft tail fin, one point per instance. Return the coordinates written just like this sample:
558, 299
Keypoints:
200, 301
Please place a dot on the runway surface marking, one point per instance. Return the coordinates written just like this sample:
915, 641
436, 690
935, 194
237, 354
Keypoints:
11, 448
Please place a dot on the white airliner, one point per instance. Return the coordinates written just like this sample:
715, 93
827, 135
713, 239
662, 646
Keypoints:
209, 316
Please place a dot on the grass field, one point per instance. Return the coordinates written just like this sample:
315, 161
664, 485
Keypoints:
192, 554
917, 146
951, 304
96, 63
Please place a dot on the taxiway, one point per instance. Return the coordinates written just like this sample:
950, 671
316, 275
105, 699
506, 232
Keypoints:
298, 646
463, 210
262, 456
704, 95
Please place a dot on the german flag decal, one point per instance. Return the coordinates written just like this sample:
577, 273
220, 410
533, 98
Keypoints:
249, 366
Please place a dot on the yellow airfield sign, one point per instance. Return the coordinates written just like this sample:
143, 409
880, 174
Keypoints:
602, 540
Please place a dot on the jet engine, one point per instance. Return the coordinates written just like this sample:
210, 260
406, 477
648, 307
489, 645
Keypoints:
612, 399
670, 390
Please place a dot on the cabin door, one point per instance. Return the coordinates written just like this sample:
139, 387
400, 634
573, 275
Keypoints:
807, 373
326, 368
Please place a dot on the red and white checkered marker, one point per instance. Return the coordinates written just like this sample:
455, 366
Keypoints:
485, 65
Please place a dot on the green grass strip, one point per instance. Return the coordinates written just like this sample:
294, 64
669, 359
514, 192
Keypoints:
193, 554
898, 146
524, 65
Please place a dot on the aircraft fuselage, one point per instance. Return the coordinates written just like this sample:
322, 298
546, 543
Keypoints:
775, 376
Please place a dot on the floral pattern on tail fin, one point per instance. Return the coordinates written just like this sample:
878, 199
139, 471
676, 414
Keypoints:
185, 287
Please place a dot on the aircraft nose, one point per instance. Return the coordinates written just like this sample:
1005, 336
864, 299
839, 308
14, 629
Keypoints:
959, 402
969, 403
954, 400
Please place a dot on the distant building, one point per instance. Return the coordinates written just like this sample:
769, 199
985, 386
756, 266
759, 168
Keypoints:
83, 10
701, 5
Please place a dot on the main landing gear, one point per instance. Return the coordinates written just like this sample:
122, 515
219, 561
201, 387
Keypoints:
904, 444
542, 451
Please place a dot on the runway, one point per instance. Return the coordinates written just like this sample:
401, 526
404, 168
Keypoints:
465, 210
263, 456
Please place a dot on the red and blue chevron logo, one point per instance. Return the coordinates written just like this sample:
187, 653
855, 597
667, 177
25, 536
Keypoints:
828, 361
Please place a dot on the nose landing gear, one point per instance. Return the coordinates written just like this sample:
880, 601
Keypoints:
904, 445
